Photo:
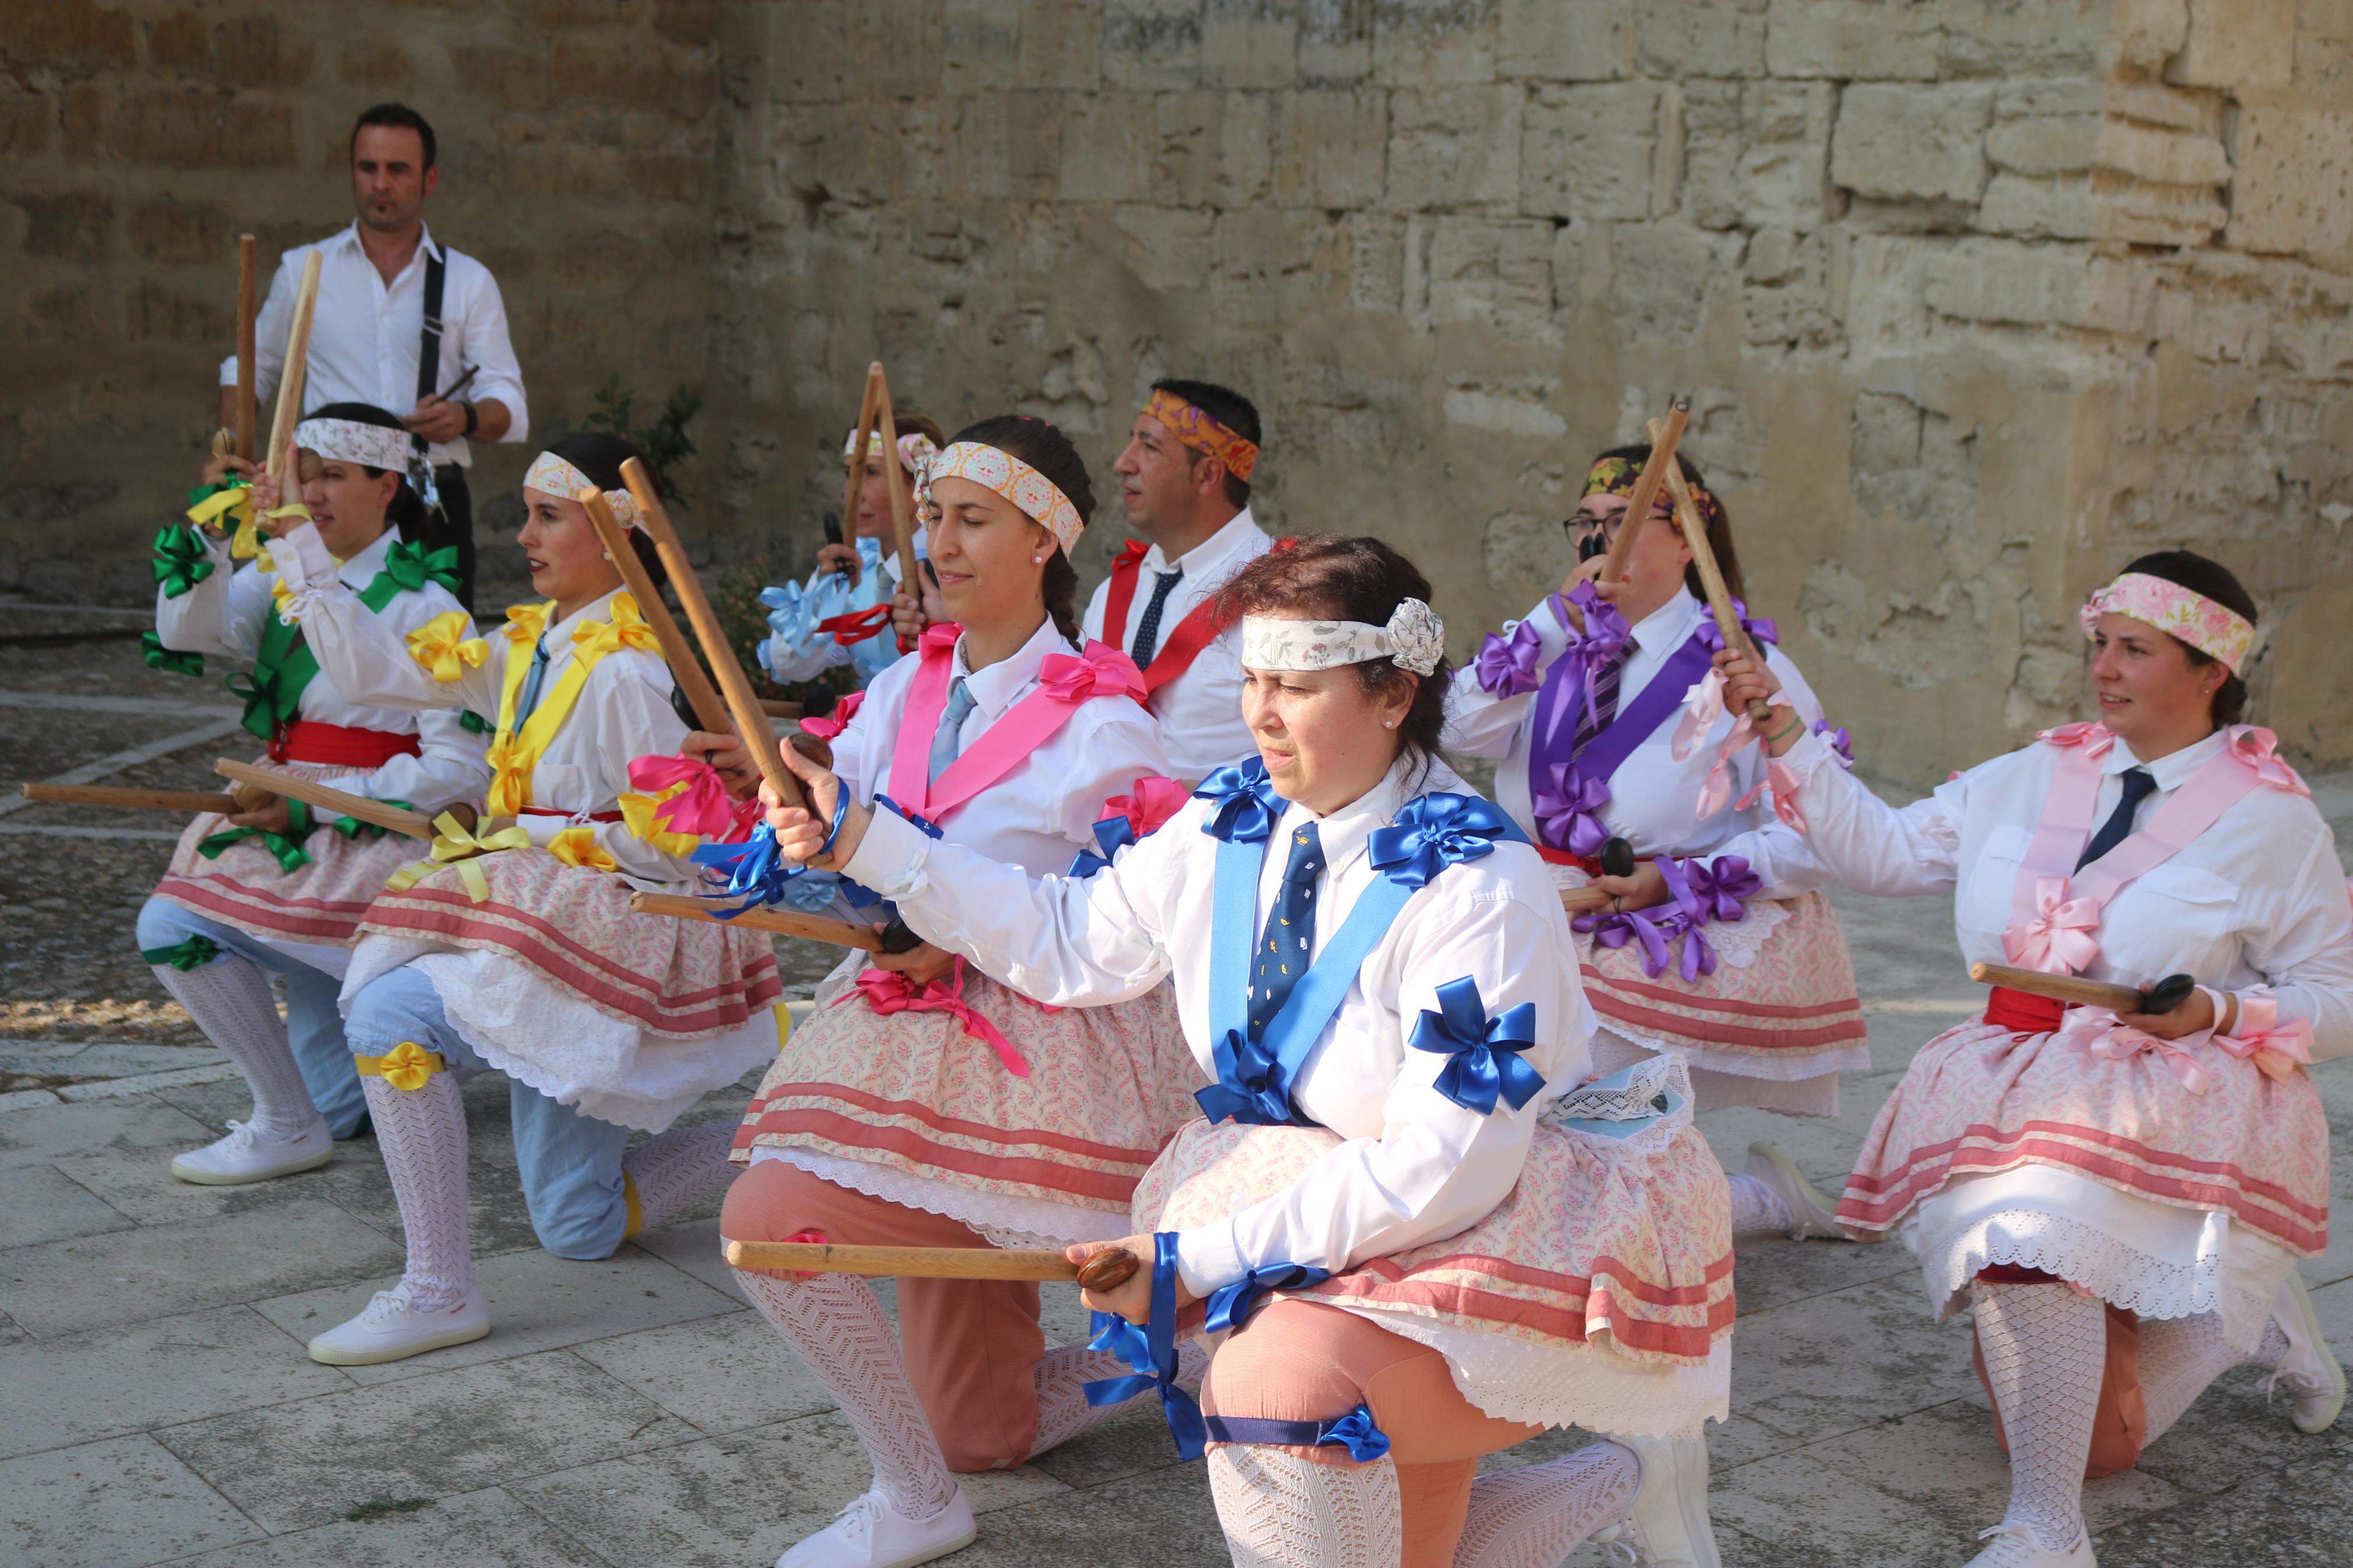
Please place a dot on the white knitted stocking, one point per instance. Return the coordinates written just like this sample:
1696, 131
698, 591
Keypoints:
1279, 1510
1755, 1206
230, 1001
1063, 1412
674, 1170
422, 1133
834, 1322
2045, 1349
1534, 1517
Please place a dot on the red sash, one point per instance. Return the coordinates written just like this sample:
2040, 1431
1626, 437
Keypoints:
2022, 1012
343, 746
1177, 650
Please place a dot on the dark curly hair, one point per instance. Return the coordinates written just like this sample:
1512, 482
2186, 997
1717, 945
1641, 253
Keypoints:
2212, 580
1047, 449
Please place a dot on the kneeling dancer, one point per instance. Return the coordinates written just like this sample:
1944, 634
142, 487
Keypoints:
513, 948
2043, 1160
1419, 1240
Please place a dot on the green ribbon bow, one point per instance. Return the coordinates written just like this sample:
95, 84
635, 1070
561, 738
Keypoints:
181, 562
353, 829
285, 847
184, 956
284, 664
170, 661
473, 723
409, 565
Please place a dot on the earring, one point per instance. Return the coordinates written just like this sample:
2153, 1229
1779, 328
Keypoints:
1392, 723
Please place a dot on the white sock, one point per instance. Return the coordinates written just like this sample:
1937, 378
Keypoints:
1534, 1517
230, 1001
1279, 1510
422, 1132
2046, 1347
2179, 1357
834, 1322
1755, 1206
679, 1167
1063, 1412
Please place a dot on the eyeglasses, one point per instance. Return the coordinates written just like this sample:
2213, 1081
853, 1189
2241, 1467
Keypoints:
1582, 527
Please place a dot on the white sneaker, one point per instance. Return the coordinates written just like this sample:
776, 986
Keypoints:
2309, 1373
1670, 1527
1816, 1214
392, 1328
2015, 1546
245, 1155
870, 1533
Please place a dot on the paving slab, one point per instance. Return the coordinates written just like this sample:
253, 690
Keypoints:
487, 1528
116, 1504
2301, 1516
127, 1129
1159, 1518
78, 1387
728, 1373
41, 1202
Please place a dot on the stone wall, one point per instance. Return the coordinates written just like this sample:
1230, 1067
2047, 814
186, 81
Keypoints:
139, 136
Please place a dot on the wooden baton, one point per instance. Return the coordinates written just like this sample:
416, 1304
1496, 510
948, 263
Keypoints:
1105, 1270
398, 819
784, 922
894, 474
853, 477
1646, 491
288, 412
1711, 575
2162, 997
776, 710
710, 712
134, 799
247, 305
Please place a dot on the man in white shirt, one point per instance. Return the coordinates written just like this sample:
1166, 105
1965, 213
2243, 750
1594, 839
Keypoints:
1185, 480
369, 328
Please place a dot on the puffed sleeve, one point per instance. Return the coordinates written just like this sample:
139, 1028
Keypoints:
363, 656
1869, 844
2305, 950
220, 616
1478, 722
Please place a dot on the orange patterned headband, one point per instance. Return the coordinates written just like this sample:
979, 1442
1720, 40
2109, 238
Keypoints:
1202, 434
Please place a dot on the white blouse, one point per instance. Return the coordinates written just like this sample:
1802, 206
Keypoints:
1041, 811
623, 712
1654, 799
1416, 1167
2257, 897
223, 617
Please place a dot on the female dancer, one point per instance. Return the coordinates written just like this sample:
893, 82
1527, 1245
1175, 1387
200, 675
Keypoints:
842, 614
277, 889
514, 948
1458, 1265
2041, 1161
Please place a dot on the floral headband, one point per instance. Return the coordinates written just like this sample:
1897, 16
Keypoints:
916, 455
993, 468
1414, 639
376, 446
1618, 477
1197, 430
553, 475
2215, 630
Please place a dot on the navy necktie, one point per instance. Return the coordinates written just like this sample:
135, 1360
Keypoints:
1147, 630
2139, 784
1283, 947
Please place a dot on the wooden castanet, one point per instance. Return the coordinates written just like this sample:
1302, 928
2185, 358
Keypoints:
1646, 490
710, 711
1711, 574
396, 819
1105, 1270
784, 922
2071, 988
247, 305
134, 799
288, 412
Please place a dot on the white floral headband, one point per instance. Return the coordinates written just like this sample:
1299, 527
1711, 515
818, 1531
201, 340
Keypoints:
1414, 639
2215, 630
375, 445
916, 455
994, 468
554, 476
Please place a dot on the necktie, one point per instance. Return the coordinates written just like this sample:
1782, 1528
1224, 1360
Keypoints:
1290, 926
1147, 630
529, 702
1605, 700
2139, 784
948, 739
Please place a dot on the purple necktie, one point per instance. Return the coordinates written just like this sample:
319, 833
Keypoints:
1594, 716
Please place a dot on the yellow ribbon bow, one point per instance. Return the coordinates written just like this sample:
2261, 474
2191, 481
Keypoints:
455, 845
512, 764
281, 598
577, 846
236, 504
408, 1065
637, 816
441, 646
629, 629
525, 622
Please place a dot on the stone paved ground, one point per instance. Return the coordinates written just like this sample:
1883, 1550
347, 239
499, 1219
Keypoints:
156, 1405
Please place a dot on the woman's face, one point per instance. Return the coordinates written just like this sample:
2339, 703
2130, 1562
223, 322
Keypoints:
2148, 688
989, 555
1324, 739
1654, 561
873, 519
560, 545
346, 504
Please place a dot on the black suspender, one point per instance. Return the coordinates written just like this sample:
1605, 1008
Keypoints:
428, 352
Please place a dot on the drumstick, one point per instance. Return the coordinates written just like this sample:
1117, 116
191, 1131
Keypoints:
785, 923
134, 799
2084, 993
710, 712
1105, 1270
743, 705
459, 385
1646, 491
245, 305
1711, 575
289, 413
415, 824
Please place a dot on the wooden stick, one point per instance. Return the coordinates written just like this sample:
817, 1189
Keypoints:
741, 704
1584, 900
415, 824
1711, 575
289, 413
710, 712
854, 472
134, 799
2059, 987
785, 923
460, 384
776, 710
1111, 1266
902, 500
245, 305
1646, 491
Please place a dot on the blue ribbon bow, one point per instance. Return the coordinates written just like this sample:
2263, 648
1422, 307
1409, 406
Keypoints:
1247, 807
756, 871
1486, 1052
1249, 1086
1354, 1432
1151, 1349
1230, 1306
1435, 831
1113, 834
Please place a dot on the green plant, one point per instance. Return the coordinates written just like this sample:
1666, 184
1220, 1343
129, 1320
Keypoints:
383, 1505
664, 442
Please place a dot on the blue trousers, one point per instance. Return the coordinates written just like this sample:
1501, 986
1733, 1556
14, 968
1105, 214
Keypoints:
570, 1162
314, 1029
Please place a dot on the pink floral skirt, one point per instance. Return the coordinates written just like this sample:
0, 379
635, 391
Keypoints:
320, 904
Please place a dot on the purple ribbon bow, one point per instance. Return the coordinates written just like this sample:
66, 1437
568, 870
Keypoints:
1606, 634
1568, 809
1618, 929
1759, 630
1839, 743
1506, 666
1718, 886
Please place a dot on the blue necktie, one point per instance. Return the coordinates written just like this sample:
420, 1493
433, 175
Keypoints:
947, 739
1290, 928
1147, 630
2138, 783
529, 703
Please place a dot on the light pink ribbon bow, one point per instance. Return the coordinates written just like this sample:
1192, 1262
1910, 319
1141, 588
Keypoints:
2058, 940
2277, 1049
1702, 706
887, 992
2089, 733
1103, 671
2099, 1031
1156, 800
2257, 748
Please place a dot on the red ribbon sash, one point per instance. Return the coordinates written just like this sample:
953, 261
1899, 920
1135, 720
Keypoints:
343, 745
1177, 650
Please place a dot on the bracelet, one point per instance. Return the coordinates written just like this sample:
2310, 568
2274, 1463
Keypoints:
833, 830
473, 417
1796, 726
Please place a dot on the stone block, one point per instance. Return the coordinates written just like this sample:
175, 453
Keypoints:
1526, 554
374, 64
1434, 43
502, 74
728, 1373
2294, 194
980, 44
1335, 45
127, 1131
179, 130
2060, 207
2153, 104
2237, 44
1061, 44
1503, 406
2164, 157
67, 225
1877, 40
2003, 37
1562, 40
1107, 143
259, 52
564, 168
2046, 143
1185, 155
2147, 33
1330, 149
1786, 296
83, 121
1454, 148
258, 136
177, 42
153, 314
24, 120
1272, 265
1151, 44
1249, 43
1591, 152
488, 1528
39, 1203
1245, 147
1662, 275
103, 1505
663, 177
687, 21
70, 32
1491, 273
1715, 136
1784, 171
614, 73
1377, 262
1701, 38
1912, 142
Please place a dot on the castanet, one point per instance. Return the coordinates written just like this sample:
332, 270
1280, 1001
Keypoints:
710, 711
2162, 997
394, 818
1105, 1270
1646, 490
784, 922
134, 799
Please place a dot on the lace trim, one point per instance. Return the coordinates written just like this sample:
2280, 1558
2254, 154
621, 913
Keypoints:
1006, 1221
1737, 942
1660, 1076
1773, 1065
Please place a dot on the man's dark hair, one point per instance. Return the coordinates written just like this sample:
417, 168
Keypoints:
397, 114
1228, 409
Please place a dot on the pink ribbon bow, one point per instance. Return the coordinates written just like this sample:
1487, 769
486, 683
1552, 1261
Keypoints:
1785, 784
2089, 733
2257, 748
1103, 671
2058, 940
1702, 706
887, 992
1156, 800
702, 808
2099, 1031
834, 723
940, 635
2277, 1049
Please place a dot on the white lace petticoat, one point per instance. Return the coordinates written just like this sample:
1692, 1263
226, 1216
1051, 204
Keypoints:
1005, 1220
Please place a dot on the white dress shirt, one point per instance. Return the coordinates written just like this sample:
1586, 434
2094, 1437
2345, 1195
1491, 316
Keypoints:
2258, 896
1416, 1167
1201, 711
223, 617
1654, 799
364, 335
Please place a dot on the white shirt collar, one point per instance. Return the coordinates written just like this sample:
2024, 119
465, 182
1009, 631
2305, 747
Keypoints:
2170, 771
1665, 629
349, 237
558, 634
1196, 563
360, 570
1343, 833
995, 689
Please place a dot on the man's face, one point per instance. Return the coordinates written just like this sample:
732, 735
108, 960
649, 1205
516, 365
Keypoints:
389, 179
1156, 478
